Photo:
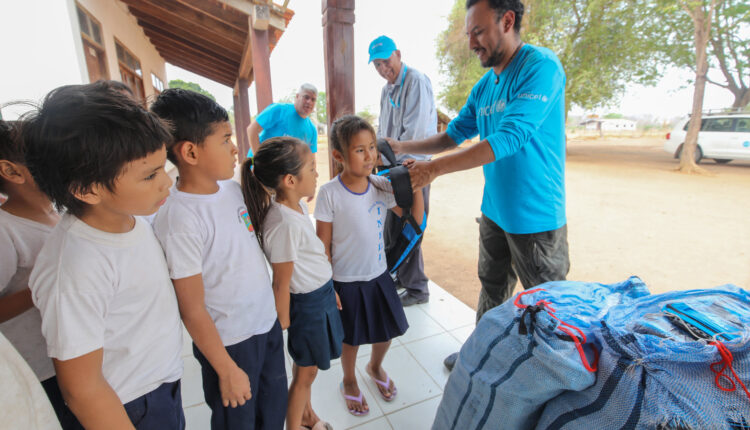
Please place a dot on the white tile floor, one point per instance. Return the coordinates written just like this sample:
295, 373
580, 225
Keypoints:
414, 362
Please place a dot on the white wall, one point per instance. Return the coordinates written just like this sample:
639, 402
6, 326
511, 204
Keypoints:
38, 52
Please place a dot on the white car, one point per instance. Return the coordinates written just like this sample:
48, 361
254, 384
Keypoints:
723, 137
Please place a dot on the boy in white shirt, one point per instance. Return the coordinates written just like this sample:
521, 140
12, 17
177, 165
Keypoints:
26, 219
218, 269
109, 312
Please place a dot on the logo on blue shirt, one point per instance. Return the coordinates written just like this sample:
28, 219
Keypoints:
528, 96
496, 107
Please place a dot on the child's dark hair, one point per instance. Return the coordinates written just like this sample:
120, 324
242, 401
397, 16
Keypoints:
11, 147
277, 157
191, 116
84, 135
344, 129
115, 86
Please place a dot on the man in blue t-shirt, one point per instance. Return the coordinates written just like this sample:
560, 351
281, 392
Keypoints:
286, 119
518, 110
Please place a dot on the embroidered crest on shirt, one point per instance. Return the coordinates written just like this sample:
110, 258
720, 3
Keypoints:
245, 217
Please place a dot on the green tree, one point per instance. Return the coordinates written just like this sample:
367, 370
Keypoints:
602, 45
192, 86
321, 108
367, 116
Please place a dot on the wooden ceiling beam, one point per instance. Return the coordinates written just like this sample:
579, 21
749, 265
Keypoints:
173, 22
214, 75
148, 23
220, 11
199, 59
174, 43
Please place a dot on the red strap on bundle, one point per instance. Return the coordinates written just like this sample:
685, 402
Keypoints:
565, 328
725, 362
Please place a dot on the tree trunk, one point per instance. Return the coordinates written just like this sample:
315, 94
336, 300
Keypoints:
741, 98
702, 30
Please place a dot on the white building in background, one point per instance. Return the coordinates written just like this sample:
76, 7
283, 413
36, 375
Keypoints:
609, 124
49, 43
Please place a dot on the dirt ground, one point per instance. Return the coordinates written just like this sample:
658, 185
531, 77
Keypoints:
629, 213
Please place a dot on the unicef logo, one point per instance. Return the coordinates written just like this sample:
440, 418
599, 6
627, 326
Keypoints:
500, 106
544, 99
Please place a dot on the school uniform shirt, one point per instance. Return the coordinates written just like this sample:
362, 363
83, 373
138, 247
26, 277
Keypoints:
20, 242
290, 236
211, 234
110, 291
521, 113
357, 249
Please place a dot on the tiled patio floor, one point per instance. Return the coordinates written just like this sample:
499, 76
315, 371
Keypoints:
414, 362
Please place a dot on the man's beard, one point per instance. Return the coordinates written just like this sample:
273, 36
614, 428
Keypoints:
494, 59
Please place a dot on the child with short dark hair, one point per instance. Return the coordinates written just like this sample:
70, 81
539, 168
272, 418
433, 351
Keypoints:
218, 270
26, 220
350, 213
100, 282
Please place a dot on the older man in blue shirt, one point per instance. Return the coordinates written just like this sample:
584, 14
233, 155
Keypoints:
518, 110
407, 112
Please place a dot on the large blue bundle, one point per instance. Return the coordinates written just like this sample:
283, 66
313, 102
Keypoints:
527, 351
674, 360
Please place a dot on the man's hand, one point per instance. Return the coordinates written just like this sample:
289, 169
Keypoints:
395, 145
234, 387
338, 301
422, 173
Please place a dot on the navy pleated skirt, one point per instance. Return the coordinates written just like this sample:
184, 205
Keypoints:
371, 310
315, 331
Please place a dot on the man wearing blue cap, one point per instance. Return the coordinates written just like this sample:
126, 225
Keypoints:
407, 112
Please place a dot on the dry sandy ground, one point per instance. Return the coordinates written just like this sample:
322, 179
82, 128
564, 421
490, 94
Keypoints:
629, 213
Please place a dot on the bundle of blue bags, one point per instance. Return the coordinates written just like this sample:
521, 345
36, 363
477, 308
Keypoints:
574, 355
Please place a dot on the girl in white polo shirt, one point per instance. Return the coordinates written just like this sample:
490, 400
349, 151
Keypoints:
350, 213
305, 301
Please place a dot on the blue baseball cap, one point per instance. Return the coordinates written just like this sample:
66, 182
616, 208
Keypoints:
381, 48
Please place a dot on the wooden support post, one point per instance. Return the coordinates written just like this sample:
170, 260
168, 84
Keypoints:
242, 117
338, 37
261, 67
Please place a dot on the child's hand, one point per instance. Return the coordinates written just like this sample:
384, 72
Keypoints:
235, 388
338, 301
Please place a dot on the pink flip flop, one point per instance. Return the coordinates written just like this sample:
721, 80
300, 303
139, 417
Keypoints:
386, 384
357, 399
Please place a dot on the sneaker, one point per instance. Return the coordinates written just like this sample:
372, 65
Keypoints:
408, 300
450, 361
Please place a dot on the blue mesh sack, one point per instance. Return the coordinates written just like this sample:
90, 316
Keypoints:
678, 360
527, 351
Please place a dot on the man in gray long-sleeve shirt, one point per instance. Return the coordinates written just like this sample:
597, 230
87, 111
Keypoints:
407, 112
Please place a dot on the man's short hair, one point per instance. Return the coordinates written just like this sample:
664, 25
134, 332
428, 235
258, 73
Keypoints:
307, 87
85, 135
191, 116
502, 6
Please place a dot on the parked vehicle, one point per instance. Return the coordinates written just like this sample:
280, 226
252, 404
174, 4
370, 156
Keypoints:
723, 137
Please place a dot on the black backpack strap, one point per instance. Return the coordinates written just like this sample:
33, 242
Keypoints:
385, 148
401, 183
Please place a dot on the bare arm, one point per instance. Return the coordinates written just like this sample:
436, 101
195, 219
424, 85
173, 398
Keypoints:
417, 208
253, 133
282, 276
424, 172
324, 230
88, 394
432, 145
15, 304
234, 383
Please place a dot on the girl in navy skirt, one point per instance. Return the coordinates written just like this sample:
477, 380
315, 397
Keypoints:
350, 213
306, 303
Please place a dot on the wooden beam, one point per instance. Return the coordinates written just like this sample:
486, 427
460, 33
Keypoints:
261, 67
216, 44
170, 44
212, 74
200, 60
338, 37
222, 12
204, 45
242, 116
246, 62
182, 16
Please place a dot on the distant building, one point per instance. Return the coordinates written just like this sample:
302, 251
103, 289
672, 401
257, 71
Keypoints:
608, 124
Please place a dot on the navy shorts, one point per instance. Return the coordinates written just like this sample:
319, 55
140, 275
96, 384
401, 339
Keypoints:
158, 409
315, 332
371, 310
262, 358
